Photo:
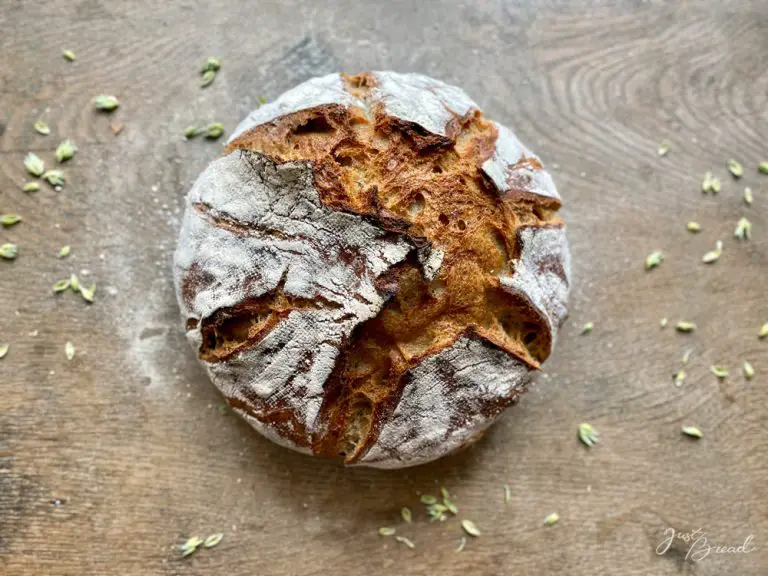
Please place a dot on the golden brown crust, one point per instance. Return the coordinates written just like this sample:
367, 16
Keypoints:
431, 188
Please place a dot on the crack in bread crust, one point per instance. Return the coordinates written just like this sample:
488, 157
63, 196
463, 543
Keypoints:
462, 194
230, 330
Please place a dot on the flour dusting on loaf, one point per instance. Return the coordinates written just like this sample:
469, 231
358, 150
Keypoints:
373, 270
328, 89
415, 98
541, 272
451, 387
515, 169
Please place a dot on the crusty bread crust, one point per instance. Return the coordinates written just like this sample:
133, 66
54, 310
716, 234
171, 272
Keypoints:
374, 269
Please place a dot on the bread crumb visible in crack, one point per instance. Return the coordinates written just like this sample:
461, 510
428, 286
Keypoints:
358, 425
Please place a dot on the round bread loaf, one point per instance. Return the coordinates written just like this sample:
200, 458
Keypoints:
373, 270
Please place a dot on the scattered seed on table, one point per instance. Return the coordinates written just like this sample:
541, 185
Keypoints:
65, 151
54, 177
719, 371
8, 220
9, 251
654, 259
41, 127
192, 131
714, 255
190, 546
692, 431
587, 434
437, 511
213, 540
208, 78
214, 130
743, 229
106, 102
211, 63
735, 168
470, 528
679, 377
552, 519
88, 293
34, 164
710, 184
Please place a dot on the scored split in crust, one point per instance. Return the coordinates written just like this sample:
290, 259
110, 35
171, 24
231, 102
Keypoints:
373, 270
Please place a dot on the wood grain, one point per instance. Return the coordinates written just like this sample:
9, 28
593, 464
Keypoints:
110, 461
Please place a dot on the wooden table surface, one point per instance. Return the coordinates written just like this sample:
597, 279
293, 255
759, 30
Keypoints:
108, 462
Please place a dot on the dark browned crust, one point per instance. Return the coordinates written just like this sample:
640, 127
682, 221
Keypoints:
430, 188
